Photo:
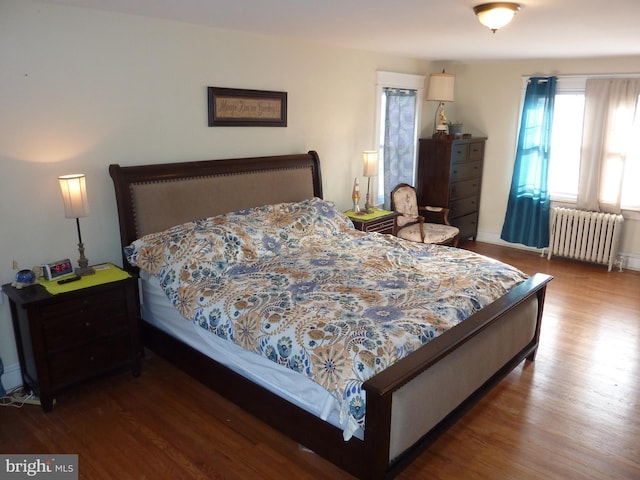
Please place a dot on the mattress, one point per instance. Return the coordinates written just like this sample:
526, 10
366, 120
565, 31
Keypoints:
293, 387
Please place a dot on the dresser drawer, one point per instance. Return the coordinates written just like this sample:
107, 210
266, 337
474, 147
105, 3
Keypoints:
476, 151
459, 153
463, 206
468, 188
468, 225
88, 360
466, 171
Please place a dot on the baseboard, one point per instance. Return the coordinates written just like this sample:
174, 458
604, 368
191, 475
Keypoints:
629, 260
12, 377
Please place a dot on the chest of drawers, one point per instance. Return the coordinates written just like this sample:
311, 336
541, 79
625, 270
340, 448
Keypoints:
449, 174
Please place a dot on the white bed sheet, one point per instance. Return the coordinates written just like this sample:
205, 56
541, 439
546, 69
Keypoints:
295, 388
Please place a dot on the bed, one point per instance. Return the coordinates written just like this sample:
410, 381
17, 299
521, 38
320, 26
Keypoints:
409, 401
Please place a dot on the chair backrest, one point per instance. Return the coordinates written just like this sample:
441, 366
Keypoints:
405, 201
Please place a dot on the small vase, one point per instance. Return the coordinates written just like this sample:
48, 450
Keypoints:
456, 130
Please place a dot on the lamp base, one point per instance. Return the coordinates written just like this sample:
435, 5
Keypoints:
83, 268
368, 208
84, 271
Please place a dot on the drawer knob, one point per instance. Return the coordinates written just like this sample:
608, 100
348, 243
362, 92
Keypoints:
87, 324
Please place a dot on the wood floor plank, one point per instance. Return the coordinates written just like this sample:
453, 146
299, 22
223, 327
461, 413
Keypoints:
574, 413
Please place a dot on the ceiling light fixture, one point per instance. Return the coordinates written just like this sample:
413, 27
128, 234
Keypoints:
496, 15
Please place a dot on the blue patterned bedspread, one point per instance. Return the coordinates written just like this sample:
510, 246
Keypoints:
299, 285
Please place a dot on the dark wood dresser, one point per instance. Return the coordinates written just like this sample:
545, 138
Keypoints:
66, 338
449, 174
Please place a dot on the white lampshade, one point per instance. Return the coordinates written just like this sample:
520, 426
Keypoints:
441, 87
496, 15
74, 195
370, 165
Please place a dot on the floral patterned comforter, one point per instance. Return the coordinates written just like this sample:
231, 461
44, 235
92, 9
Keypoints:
299, 285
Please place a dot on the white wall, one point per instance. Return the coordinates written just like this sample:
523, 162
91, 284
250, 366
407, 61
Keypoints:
83, 89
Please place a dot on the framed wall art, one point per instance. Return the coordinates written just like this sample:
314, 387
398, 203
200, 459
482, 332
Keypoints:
234, 107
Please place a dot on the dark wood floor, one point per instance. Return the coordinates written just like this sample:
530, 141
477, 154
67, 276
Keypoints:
572, 414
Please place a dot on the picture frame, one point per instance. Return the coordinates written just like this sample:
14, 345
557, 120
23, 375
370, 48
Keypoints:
235, 107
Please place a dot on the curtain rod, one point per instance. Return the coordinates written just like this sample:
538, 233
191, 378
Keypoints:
587, 75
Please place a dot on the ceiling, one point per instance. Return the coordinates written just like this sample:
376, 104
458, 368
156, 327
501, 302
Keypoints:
429, 29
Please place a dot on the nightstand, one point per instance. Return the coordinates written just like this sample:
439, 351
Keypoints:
381, 221
82, 330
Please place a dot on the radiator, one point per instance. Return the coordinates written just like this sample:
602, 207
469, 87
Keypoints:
583, 235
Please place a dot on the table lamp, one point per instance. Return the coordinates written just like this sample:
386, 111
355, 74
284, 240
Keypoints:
76, 205
440, 90
369, 169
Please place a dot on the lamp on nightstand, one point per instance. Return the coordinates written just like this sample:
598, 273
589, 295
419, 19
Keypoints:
369, 169
76, 205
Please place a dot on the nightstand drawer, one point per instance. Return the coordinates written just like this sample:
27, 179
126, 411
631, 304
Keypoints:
89, 304
75, 322
80, 363
385, 226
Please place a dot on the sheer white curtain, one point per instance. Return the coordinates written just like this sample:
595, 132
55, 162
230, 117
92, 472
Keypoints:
611, 127
399, 139
398, 114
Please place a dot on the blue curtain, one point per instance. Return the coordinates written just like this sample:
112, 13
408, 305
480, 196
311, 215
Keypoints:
399, 139
527, 217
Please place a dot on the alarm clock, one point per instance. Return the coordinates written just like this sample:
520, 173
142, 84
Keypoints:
54, 270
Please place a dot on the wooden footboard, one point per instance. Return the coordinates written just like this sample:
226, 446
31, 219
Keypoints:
154, 197
489, 345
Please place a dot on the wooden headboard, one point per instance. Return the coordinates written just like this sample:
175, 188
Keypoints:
152, 198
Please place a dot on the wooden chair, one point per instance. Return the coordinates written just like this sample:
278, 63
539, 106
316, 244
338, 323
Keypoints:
421, 223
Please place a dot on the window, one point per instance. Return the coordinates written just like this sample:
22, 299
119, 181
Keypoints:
399, 100
566, 138
566, 145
